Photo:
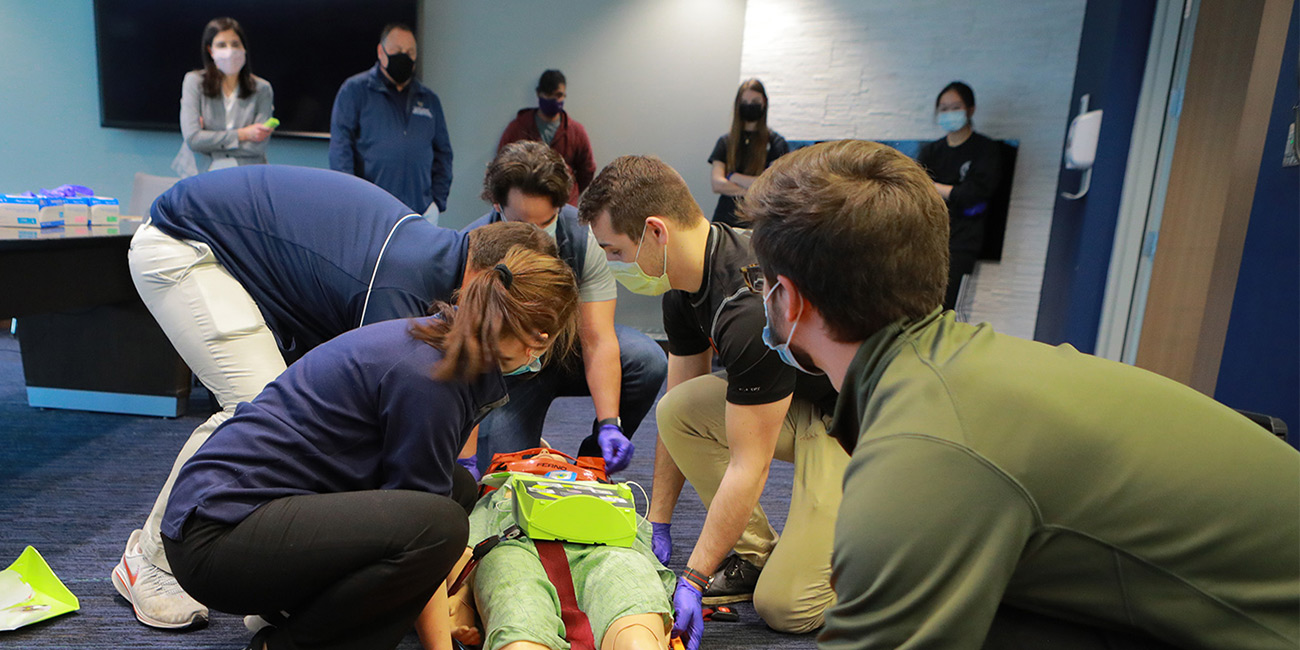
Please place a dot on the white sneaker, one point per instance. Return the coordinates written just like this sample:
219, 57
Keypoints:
158, 600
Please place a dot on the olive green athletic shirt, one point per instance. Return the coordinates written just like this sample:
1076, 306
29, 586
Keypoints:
988, 468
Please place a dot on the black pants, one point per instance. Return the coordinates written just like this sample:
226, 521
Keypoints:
960, 262
350, 570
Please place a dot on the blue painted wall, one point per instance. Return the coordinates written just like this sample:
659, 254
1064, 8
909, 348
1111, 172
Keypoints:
49, 114
1112, 55
1260, 370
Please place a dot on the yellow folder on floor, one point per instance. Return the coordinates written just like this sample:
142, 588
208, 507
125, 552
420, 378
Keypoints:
30, 592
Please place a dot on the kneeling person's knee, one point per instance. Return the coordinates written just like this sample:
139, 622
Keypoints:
789, 612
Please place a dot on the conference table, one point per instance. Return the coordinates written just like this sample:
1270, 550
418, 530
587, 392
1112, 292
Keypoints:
87, 341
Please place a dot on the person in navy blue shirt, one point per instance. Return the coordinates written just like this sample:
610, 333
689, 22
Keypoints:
327, 505
389, 129
247, 268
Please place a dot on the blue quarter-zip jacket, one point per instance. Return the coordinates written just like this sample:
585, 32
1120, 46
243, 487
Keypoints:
396, 140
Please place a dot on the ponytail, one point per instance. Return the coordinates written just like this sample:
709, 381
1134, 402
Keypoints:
526, 295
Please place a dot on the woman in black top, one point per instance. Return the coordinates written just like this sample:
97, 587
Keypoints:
744, 152
965, 168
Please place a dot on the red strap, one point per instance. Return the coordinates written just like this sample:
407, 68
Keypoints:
577, 629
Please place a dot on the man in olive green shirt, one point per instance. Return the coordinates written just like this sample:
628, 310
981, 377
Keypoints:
1000, 490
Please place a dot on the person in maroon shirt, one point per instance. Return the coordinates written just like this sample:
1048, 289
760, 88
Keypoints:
550, 124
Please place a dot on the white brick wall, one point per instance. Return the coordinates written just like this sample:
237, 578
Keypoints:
871, 69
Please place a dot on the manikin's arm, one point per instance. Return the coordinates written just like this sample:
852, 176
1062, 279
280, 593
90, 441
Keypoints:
449, 616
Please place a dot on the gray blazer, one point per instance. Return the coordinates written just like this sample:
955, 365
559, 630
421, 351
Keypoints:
203, 146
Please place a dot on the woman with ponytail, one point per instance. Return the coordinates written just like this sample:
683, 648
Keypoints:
332, 505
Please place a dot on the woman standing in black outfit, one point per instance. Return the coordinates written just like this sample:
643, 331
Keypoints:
744, 152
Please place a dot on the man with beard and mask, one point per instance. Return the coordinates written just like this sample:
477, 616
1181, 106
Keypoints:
1006, 493
550, 123
722, 431
388, 128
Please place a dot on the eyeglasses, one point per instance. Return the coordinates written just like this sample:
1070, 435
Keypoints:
753, 276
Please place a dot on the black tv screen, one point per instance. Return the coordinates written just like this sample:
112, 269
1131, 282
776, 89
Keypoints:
305, 48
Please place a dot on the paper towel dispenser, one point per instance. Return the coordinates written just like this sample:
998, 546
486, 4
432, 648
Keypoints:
1081, 145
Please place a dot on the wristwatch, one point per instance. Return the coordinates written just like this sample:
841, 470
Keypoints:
618, 422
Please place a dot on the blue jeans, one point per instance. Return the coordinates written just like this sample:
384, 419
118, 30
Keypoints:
518, 424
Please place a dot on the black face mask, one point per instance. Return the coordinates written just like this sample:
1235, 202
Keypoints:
400, 67
751, 111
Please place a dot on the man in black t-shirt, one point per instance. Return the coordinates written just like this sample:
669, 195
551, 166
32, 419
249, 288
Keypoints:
722, 431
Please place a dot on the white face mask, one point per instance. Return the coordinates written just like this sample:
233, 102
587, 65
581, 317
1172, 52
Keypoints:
229, 60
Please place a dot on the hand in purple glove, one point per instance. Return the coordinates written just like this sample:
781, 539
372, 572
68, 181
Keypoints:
688, 614
470, 464
615, 447
661, 542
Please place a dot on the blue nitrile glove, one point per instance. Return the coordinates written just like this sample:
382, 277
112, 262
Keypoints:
662, 542
470, 464
615, 447
688, 614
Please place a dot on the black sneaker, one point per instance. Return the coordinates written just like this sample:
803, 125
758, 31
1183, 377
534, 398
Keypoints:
733, 583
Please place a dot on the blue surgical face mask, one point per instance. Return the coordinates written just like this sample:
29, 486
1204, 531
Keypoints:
782, 349
951, 121
534, 365
635, 279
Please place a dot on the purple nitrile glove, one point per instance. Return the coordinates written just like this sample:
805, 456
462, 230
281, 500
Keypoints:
470, 464
688, 614
662, 542
615, 447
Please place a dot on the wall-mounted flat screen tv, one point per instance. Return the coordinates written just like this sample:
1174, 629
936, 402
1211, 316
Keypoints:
305, 48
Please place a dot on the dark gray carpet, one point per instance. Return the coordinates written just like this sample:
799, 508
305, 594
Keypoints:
74, 485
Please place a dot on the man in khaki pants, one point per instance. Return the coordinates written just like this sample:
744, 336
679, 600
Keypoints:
721, 431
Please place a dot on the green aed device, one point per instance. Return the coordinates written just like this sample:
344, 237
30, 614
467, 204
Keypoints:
271, 123
575, 512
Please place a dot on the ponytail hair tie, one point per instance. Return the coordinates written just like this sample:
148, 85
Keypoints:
507, 278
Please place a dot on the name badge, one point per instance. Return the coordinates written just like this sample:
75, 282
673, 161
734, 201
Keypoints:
422, 111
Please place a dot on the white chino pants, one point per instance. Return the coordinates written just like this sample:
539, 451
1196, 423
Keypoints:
216, 327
